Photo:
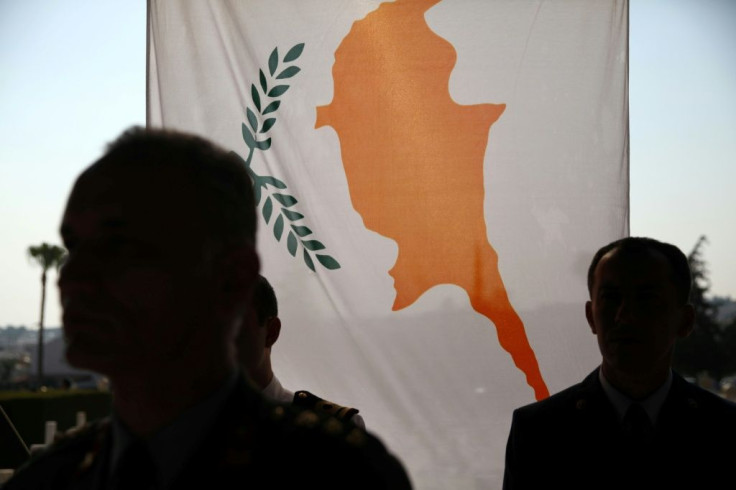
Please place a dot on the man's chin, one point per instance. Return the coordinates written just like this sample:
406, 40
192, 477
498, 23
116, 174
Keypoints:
81, 357
633, 365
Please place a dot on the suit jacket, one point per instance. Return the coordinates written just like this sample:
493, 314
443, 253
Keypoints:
574, 440
253, 444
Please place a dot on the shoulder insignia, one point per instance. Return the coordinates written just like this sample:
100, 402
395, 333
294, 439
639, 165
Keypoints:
73, 432
307, 418
307, 400
99, 430
356, 437
84, 443
91, 430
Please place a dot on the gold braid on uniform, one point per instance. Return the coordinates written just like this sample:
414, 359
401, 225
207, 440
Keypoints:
306, 400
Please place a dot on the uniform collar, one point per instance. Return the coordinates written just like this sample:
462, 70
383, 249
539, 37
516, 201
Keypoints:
173, 445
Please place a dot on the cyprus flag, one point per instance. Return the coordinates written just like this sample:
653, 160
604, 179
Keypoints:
433, 178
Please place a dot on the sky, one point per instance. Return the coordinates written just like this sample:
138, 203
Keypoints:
73, 76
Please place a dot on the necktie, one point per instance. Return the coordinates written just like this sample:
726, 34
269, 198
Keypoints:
637, 426
135, 469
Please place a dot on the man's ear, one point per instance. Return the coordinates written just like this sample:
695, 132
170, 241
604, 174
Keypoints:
687, 322
273, 330
589, 316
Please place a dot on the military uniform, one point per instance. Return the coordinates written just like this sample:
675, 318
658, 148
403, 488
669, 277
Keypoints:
252, 442
306, 400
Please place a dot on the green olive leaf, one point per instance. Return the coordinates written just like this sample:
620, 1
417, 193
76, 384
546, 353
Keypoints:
256, 97
252, 119
302, 231
273, 61
288, 73
273, 181
250, 141
267, 210
328, 262
291, 244
313, 245
294, 53
271, 107
286, 200
268, 124
277, 91
278, 228
264, 145
262, 77
308, 260
292, 215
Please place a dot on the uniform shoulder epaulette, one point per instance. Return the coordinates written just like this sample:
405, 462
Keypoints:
75, 449
79, 431
309, 401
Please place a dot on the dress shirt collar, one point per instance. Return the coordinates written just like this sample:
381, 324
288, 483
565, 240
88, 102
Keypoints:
651, 404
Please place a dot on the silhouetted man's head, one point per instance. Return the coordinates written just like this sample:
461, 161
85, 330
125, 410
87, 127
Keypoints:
681, 275
638, 306
217, 181
259, 334
160, 233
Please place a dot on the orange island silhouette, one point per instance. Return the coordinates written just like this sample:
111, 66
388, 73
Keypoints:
413, 159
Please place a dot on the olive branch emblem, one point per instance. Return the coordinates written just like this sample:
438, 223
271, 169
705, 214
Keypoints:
266, 101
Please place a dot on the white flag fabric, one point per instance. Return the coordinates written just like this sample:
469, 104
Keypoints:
433, 178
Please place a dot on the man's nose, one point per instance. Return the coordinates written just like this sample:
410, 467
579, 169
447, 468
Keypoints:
77, 272
624, 311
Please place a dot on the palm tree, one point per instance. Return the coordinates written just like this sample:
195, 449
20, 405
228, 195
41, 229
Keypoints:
46, 256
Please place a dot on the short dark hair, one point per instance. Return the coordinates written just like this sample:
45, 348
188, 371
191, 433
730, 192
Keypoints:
222, 181
681, 275
264, 299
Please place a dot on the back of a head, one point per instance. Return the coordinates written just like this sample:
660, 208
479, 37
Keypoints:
264, 299
220, 180
680, 268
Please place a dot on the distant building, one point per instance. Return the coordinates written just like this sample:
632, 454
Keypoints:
18, 350
56, 369
20, 337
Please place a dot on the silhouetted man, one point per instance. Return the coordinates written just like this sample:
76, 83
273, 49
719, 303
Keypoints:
254, 354
633, 422
160, 233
